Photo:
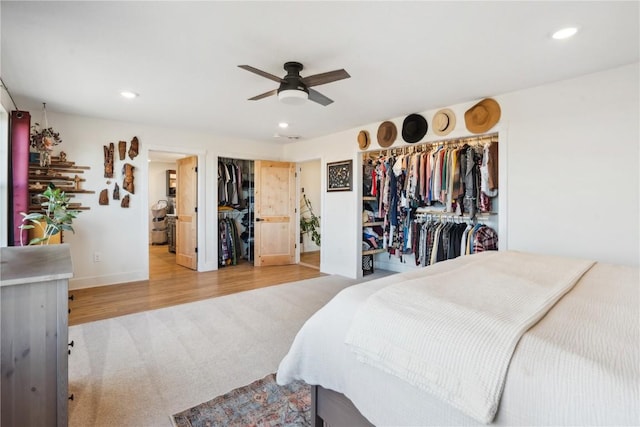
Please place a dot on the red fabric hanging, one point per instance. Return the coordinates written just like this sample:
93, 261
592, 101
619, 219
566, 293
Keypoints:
19, 127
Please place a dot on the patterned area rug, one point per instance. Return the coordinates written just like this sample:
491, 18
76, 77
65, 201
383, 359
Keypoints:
263, 403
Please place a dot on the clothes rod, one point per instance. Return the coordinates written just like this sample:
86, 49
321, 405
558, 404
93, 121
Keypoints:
410, 149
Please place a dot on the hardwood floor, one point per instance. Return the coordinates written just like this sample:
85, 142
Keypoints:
170, 284
310, 259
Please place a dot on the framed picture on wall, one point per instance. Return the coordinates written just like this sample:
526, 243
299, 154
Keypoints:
339, 176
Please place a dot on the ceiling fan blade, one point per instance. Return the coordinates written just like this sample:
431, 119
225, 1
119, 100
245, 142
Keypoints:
316, 96
261, 73
323, 78
264, 95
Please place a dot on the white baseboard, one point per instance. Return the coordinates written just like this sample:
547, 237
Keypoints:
112, 279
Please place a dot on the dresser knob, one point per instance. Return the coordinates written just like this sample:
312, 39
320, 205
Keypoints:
71, 297
71, 397
69, 311
71, 343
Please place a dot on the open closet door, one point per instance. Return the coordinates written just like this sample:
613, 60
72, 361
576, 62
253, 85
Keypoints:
275, 213
187, 212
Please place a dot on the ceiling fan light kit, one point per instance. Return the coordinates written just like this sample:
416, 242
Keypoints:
295, 89
293, 96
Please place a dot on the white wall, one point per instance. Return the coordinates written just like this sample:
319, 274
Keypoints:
573, 166
310, 183
569, 160
341, 232
121, 235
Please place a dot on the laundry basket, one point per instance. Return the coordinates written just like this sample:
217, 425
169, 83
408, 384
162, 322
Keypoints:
159, 209
159, 231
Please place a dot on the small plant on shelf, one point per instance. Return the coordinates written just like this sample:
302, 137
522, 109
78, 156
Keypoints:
309, 225
53, 219
43, 139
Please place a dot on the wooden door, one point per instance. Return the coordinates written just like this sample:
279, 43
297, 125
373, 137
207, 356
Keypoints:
275, 213
187, 213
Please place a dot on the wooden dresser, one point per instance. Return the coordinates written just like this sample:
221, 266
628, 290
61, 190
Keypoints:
33, 335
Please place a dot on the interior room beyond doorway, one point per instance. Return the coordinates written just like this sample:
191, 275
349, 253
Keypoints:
162, 179
310, 207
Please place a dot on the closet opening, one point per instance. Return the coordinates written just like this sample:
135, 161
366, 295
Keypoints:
430, 202
235, 212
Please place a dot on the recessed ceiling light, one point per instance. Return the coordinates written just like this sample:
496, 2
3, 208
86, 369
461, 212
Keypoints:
128, 94
283, 125
565, 33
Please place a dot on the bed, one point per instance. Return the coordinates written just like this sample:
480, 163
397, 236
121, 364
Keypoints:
378, 354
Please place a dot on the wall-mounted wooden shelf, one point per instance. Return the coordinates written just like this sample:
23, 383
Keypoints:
64, 175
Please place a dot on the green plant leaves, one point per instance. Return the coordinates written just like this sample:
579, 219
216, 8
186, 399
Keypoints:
54, 218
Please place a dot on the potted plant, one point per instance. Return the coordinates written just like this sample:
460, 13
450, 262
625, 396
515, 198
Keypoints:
53, 219
310, 224
43, 140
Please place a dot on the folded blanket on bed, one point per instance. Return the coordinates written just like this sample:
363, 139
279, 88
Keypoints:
453, 332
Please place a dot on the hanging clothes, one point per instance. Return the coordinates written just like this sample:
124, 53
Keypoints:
440, 241
230, 183
229, 243
457, 178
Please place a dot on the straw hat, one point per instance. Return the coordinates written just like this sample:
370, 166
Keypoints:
444, 121
414, 128
482, 116
387, 134
363, 140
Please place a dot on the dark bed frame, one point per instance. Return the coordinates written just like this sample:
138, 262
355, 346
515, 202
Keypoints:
334, 409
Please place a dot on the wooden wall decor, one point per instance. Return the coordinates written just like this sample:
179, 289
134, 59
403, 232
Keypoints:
108, 160
116, 192
133, 149
63, 174
104, 197
125, 202
127, 183
122, 149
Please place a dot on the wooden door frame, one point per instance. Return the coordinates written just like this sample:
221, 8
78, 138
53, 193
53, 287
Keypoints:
203, 251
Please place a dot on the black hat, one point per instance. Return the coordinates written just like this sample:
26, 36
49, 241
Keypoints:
414, 128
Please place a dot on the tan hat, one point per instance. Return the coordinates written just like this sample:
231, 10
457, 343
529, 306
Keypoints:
482, 116
387, 134
363, 140
444, 121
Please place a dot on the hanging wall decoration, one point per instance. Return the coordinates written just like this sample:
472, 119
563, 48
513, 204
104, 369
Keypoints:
108, 160
127, 183
339, 177
43, 139
122, 149
125, 202
104, 197
116, 192
133, 148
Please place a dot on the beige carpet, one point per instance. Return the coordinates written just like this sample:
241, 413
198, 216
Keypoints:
139, 369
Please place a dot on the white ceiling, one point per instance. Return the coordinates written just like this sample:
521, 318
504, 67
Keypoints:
403, 57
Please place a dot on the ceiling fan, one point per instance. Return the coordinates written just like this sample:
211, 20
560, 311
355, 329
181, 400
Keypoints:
295, 89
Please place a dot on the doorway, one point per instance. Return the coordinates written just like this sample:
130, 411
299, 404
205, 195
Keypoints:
161, 175
310, 207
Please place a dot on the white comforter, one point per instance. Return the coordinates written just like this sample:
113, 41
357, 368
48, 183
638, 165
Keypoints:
577, 366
